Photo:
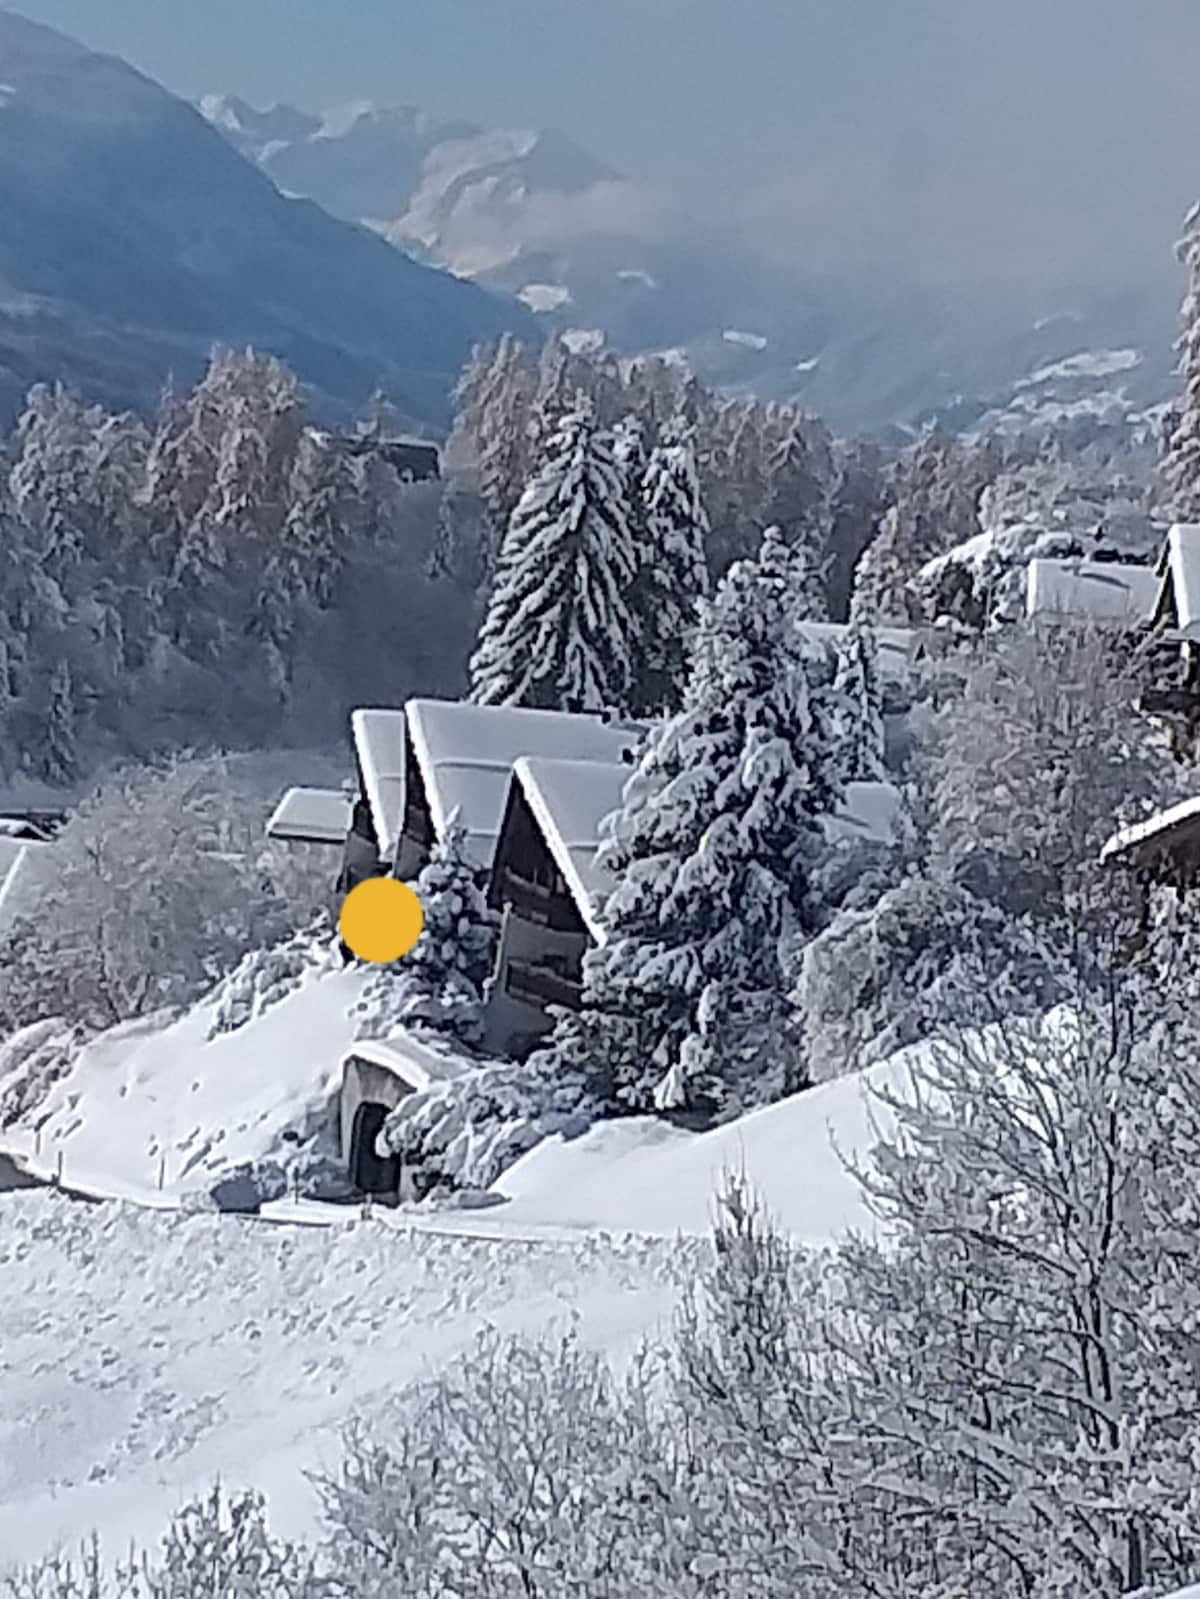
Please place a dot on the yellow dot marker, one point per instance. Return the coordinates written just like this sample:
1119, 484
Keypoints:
381, 920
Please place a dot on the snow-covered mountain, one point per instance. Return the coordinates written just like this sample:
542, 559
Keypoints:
134, 238
584, 247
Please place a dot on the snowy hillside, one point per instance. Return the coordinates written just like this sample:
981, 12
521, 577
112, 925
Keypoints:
135, 239
153, 1112
148, 1351
145, 1355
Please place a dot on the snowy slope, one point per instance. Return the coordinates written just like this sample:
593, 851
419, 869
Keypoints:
642, 1177
148, 1351
146, 1354
151, 1112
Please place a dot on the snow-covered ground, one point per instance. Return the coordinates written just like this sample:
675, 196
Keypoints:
144, 1353
544, 297
148, 1350
151, 1112
749, 341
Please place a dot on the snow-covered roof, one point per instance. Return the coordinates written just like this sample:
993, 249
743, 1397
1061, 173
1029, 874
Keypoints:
466, 754
1155, 834
422, 1065
18, 858
1103, 592
1179, 569
311, 816
569, 800
871, 811
379, 744
897, 646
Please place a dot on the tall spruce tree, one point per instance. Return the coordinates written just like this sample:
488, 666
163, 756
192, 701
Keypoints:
684, 1002
558, 632
860, 703
60, 761
798, 504
881, 592
673, 567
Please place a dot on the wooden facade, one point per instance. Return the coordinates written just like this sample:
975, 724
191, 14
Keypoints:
418, 835
543, 937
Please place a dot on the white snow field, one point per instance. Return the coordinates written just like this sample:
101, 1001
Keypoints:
144, 1354
147, 1350
151, 1112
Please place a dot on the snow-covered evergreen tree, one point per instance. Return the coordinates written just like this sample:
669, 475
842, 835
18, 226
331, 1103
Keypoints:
684, 1003
798, 504
860, 704
881, 593
494, 400
673, 569
559, 632
60, 761
439, 984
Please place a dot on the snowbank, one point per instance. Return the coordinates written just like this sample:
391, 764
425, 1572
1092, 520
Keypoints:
146, 1355
150, 1111
642, 1176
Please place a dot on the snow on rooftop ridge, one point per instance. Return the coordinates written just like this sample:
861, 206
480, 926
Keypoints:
570, 801
1095, 591
379, 744
418, 1061
870, 811
466, 754
897, 646
1179, 565
311, 816
1162, 822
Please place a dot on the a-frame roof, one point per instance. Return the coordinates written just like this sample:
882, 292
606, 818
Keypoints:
465, 755
1178, 608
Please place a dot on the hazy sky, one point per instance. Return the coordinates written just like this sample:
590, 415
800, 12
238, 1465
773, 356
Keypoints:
1038, 138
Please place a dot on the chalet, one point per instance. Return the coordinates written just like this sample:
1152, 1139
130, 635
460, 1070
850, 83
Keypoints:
413, 460
437, 758
531, 790
549, 888
1177, 611
1098, 593
1164, 849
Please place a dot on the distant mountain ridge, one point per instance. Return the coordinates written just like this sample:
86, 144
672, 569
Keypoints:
133, 238
532, 214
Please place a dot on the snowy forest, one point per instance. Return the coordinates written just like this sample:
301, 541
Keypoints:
997, 1394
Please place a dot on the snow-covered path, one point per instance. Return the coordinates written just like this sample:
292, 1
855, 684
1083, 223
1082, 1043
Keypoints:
142, 1354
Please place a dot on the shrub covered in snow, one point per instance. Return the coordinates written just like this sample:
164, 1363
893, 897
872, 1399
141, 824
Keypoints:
926, 956
159, 884
438, 986
266, 976
215, 1548
465, 1133
31, 1062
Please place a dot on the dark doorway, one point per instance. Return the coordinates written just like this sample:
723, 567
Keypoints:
369, 1172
